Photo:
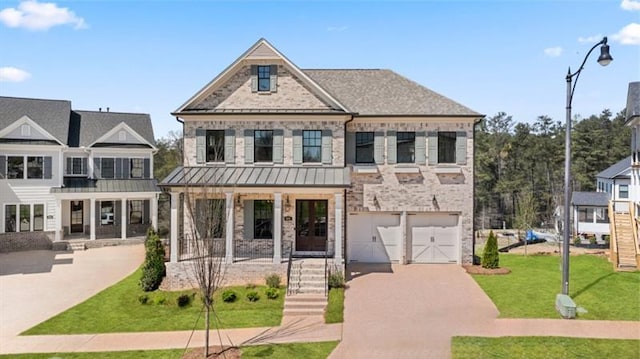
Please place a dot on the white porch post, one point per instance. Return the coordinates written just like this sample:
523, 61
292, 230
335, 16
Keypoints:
229, 227
337, 256
58, 235
153, 201
175, 200
404, 243
123, 218
277, 228
92, 219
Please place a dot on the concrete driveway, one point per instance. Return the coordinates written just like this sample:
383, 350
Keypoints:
395, 311
36, 285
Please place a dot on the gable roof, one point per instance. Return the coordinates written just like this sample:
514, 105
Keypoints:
595, 199
50, 115
633, 101
619, 169
379, 92
95, 124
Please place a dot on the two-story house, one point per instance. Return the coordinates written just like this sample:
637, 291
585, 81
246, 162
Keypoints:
73, 174
359, 165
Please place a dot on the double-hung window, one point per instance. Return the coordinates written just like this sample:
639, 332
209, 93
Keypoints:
15, 167
76, 166
446, 147
23, 217
210, 215
135, 211
263, 219
215, 146
107, 167
312, 146
263, 145
406, 142
35, 167
264, 78
136, 167
364, 147
623, 191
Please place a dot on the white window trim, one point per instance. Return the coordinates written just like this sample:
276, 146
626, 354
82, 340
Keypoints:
83, 170
31, 217
24, 165
131, 167
102, 167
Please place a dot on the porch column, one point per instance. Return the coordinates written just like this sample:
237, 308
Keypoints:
277, 227
92, 219
228, 231
337, 256
153, 207
58, 228
123, 218
175, 200
404, 243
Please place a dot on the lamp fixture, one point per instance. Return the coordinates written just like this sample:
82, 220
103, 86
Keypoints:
287, 204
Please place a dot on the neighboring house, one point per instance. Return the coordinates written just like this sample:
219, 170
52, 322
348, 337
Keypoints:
615, 180
362, 165
590, 210
73, 174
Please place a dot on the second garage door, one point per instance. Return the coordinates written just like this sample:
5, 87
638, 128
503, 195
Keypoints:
374, 238
433, 237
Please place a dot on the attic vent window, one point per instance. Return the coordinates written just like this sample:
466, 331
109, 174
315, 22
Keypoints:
25, 130
122, 136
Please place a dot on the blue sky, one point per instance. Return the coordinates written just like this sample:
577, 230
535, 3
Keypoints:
151, 56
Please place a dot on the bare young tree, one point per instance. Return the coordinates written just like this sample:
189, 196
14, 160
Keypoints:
526, 214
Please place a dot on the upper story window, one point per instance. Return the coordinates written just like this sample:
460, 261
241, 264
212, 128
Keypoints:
26, 167
15, 167
312, 146
107, 167
623, 191
77, 167
136, 167
263, 145
215, 146
446, 147
35, 167
364, 147
406, 142
264, 78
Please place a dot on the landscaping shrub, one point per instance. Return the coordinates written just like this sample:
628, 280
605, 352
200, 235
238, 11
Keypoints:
183, 300
490, 257
592, 239
160, 300
229, 296
577, 240
272, 293
250, 286
153, 267
336, 280
143, 299
272, 280
253, 296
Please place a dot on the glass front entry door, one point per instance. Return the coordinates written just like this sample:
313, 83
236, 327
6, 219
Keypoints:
311, 225
77, 217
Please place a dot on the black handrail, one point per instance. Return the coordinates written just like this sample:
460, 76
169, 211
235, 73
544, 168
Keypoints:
289, 271
326, 254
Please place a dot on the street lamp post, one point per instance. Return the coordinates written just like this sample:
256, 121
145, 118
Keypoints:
604, 59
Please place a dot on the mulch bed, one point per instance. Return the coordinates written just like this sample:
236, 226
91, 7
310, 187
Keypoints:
216, 352
486, 271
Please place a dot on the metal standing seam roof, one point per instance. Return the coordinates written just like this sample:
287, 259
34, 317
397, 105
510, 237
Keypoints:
595, 199
259, 177
616, 170
85, 185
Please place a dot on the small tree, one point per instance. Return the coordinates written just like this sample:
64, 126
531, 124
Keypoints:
526, 214
490, 257
153, 268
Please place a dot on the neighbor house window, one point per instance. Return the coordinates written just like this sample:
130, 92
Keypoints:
623, 191
264, 80
602, 215
15, 167
446, 147
38, 217
137, 165
35, 167
107, 167
210, 215
215, 146
364, 147
135, 211
406, 142
10, 214
106, 213
263, 219
585, 214
311, 146
263, 145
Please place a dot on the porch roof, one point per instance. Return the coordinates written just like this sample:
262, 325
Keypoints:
594, 199
81, 185
259, 177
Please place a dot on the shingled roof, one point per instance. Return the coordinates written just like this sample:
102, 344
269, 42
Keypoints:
94, 124
51, 115
633, 100
617, 170
379, 92
594, 199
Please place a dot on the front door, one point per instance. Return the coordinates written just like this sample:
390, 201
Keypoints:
311, 225
77, 217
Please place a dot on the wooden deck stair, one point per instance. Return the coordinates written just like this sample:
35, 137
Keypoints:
624, 238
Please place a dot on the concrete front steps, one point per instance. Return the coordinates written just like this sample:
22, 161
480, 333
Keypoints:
306, 297
305, 305
76, 245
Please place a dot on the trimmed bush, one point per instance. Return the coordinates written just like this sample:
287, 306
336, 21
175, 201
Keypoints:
160, 300
336, 280
273, 280
229, 296
253, 296
272, 293
490, 257
183, 300
153, 267
143, 299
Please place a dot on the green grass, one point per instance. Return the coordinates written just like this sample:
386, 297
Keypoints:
530, 289
543, 348
335, 306
117, 309
134, 354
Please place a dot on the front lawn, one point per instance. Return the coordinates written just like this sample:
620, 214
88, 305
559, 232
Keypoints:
335, 306
118, 309
530, 290
542, 348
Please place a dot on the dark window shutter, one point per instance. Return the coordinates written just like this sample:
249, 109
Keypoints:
254, 78
248, 219
3, 167
96, 168
47, 167
84, 165
461, 147
146, 210
126, 168
378, 147
327, 147
421, 148
433, 147
273, 78
392, 147
201, 145
297, 147
350, 146
230, 146
278, 146
69, 166
119, 162
98, 214
146, 163
248, 146
118, 212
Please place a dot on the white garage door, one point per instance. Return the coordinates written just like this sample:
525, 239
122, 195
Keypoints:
433, 238
374, 238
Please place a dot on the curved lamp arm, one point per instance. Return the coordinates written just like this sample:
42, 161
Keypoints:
604, 60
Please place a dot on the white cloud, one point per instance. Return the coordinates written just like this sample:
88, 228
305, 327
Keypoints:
590, 39
630, 5
12, 74
628, 35
34, 15
553, 51
336, 28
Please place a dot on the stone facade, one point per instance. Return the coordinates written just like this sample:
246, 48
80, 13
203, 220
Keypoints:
26, 241
180, 275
